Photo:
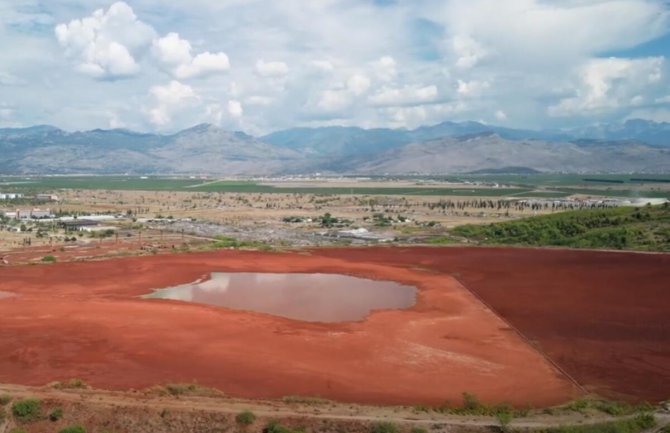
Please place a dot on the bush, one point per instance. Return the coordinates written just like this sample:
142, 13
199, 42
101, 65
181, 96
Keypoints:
49, 259
418, 430
275, 427
384, 427
56, 414
4, 399
73, 429
245, 418
27, 410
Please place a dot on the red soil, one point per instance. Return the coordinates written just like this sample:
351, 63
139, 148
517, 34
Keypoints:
601, 316
84, 320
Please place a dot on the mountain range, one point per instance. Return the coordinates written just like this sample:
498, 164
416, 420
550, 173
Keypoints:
450, 147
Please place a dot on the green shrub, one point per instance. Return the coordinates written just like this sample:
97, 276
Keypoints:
384, 427
56, 414
73, 429
27, 410
245, 418
275, 427
49, 259
630, 425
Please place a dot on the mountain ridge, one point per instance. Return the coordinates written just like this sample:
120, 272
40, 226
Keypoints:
634, 145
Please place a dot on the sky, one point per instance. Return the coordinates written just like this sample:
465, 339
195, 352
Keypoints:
266, 65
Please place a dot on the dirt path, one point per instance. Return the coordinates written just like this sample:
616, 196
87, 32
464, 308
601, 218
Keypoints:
269, 409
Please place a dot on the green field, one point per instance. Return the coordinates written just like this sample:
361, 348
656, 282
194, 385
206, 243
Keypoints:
645, 228
29, 185
531, 186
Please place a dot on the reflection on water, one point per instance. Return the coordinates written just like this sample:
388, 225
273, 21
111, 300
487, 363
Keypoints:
6, 295
308, 297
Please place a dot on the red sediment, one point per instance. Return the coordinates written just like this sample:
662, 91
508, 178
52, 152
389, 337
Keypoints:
601, 316
85, 320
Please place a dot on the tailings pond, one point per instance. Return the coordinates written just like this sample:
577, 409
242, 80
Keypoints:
307, 297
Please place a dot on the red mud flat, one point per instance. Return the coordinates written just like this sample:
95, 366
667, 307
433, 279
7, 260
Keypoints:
85, 320
603, 317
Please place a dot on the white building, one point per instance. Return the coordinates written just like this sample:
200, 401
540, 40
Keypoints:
10, 195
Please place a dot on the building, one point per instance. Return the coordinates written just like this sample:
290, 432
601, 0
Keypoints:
10, 195
77, 225
31, 214
46, 197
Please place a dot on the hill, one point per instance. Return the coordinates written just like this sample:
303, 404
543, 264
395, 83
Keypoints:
644, 229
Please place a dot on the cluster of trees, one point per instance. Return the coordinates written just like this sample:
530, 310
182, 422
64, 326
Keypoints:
631, 228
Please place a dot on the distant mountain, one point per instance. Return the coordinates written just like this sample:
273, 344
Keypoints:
654, 133
448, 147
201, 149
493, 153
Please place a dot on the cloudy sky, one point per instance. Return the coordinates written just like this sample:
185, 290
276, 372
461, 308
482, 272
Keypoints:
263, 65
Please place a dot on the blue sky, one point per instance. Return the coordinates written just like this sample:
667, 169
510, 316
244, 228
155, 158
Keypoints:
260, 65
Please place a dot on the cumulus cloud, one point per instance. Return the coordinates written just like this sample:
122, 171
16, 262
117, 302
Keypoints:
175, 53
271, 69
170, 100
358, 84
385, 68
408, 95
235, 109
104, 44
608, 84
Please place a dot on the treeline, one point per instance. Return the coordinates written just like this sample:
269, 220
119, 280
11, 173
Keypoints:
519, 205
646, 228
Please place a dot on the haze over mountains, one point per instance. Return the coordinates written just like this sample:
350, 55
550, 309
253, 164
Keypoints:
449, 147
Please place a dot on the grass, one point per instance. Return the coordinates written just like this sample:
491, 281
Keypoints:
177, 389
71, 384
383, 427
5, 399
276, 427
228, 242
644, 229
27, 410
630, 425
73, 429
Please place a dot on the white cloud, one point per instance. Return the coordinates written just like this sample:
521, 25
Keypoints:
103, 45
175, 52
235, 109
472, 88
262, 101
609, 84
169, 100
408, 95
468, 51
334, 101
358, 84
385, 68
271, 69
500, 115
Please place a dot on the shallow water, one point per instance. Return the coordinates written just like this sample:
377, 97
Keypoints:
307, 297
7, 295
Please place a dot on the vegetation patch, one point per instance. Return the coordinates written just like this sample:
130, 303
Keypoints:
245, 418
27, 410
384, 427
630, 425
73, 429
49, 259
646, 228
276, 427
